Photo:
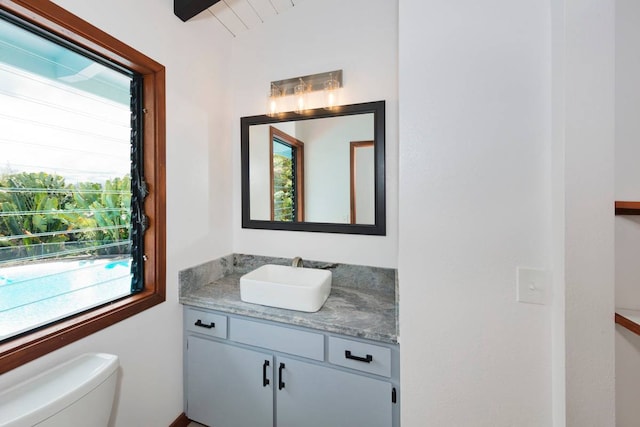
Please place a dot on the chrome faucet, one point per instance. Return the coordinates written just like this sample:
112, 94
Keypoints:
297, 262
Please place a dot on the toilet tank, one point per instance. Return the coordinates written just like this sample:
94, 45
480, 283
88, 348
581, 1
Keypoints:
79, 392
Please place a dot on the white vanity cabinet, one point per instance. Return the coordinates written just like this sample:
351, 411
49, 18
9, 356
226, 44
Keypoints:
317, 396
267, 374
225, 384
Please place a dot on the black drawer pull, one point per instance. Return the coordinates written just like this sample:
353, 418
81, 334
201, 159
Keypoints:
280, 382
202, 325
367, 359
265, 380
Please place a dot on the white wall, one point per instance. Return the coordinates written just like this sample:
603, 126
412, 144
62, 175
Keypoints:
327, 164
359, 37
259, 173
627, 187
587, 141
198, 200
475, 199
558, 31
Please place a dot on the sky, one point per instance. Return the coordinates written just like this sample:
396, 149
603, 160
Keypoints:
52, 127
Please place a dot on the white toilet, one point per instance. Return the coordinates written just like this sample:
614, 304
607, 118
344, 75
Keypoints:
79, 392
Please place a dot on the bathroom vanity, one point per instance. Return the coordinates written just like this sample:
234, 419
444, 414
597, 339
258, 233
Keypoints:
252, 365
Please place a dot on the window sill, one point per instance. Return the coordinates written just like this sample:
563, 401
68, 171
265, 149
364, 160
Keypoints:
21, 350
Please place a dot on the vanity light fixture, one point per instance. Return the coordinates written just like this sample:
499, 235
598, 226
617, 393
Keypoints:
301, 88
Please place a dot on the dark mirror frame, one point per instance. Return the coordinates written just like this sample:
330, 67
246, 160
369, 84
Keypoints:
379, 227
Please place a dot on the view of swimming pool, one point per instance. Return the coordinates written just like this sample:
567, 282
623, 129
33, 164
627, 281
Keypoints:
36, 294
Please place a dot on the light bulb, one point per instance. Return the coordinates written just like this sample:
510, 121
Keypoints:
273, 108
331, 99
300, 94
331, 88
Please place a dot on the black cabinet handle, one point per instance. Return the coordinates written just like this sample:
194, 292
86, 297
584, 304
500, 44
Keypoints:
280, 382
202, 325
265, 380
367, 359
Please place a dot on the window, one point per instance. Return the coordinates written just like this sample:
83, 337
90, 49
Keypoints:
287, 176
82, 231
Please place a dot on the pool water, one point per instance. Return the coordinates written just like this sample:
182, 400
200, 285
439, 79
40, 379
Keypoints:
37, 294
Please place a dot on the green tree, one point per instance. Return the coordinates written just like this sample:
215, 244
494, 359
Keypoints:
282, 188
30, 204
40, 209
110, 216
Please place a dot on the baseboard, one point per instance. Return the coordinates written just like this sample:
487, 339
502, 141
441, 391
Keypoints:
181, 421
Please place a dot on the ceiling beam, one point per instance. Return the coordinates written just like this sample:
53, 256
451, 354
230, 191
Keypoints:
187, 9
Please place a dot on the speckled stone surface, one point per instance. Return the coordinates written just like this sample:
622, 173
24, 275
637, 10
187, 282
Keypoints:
363, 300
194, 277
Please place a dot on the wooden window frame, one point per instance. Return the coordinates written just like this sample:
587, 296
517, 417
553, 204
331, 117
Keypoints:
47, 15
299, 145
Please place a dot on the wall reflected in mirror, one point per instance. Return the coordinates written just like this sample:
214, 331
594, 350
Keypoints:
322, 171
306, 167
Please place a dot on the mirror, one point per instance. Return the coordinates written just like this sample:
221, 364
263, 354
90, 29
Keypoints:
318, 171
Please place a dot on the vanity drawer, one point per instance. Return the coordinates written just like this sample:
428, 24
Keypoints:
205, 323
277, 338
361, 356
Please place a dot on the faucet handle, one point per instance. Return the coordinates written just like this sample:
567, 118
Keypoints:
297, 262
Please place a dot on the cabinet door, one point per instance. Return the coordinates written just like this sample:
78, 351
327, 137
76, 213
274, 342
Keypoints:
226, 387
317, 396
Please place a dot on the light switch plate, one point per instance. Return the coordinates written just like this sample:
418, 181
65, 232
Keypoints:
532, 285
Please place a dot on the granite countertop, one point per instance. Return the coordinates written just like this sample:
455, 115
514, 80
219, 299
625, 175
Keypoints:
352, 309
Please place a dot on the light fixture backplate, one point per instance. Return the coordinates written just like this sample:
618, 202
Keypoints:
314, 82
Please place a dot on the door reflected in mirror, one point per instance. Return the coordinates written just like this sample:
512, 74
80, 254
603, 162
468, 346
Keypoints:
321, 171
362, 182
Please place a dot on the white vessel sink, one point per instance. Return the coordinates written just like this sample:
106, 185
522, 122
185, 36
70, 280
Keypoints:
294, 288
